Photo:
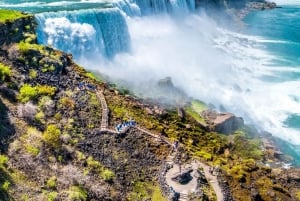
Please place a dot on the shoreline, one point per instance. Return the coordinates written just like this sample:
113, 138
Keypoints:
254, 6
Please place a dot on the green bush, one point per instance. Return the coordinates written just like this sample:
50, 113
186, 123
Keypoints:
3, 160
5, 72
51, 196
51, 183
28, 92
5, 185
32, 74
52, 135
107, 175
34, 151
10, 15
77, 193
25, 47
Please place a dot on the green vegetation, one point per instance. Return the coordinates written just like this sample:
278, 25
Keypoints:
3, 160
107, 175
196, 116
52, 135
145, 191
32, 74
51, 196
51, 183
5, 185
298, 194
32, 141
247, 147
5, 72
25, 47
198, 106
28, 92
10, 15
95, 166
77, 193
66, 103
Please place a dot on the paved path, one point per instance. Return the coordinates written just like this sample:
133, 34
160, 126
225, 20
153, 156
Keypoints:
183, 190
104, 120
213, 181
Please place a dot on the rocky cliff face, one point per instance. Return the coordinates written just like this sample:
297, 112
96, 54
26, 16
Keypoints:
17, 30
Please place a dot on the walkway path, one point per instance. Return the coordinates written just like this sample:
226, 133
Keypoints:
213, 181
104, 120
183, 190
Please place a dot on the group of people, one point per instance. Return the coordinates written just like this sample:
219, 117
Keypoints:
86, 86
121, 127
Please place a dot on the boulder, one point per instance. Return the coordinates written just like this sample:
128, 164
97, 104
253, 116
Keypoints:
225, 123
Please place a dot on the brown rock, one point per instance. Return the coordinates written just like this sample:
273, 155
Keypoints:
227, 123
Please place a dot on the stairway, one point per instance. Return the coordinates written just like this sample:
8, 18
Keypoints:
183, 197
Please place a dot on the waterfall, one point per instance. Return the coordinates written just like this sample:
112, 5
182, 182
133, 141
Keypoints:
85, 33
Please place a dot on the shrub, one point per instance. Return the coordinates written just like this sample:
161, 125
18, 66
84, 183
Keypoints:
39, 117
51, 183
5, 72
66, 102
52, 135
77, 193
5, 185
28, 92
34, 151
32, 74
107, 175
10, 15
26, 47
32, 141
51, 196
3, 160
46, 90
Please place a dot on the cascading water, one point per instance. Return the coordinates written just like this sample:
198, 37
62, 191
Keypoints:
144, 40
85, 32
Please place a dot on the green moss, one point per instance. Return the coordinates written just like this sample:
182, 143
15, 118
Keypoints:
39, 117
198, 106
66, 102
5, 72
195, 116
25, 47
31, 141
32, 74
51, 183
10, 15
298, 194
107, 175
52, 196
145, 191
28, 92
34, 151
52, 135
77, 193
5, 185
247, 147
3, 160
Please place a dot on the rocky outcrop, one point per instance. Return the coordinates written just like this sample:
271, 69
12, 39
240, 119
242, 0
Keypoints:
222, 122
16, 31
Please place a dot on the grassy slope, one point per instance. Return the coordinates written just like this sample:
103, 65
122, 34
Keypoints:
10, 15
